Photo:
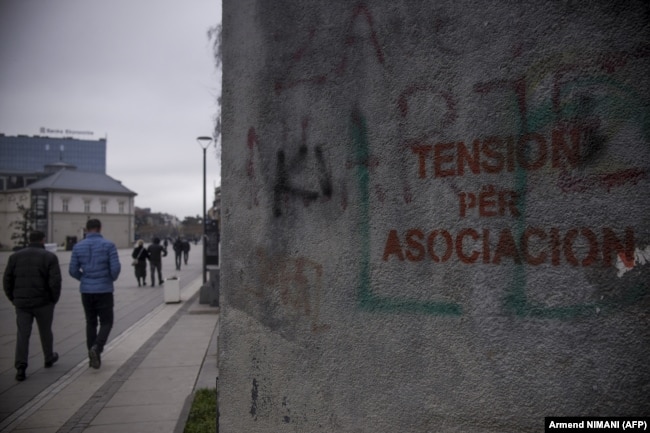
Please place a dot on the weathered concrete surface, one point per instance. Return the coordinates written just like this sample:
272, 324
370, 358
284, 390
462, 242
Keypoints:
435, 214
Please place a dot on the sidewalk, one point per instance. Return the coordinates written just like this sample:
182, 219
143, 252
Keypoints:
146, 380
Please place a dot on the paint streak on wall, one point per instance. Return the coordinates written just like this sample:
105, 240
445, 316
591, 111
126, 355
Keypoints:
641, 257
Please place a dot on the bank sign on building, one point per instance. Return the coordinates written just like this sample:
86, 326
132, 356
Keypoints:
37, 173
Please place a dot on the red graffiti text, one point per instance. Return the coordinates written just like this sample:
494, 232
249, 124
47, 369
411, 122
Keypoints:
535, 246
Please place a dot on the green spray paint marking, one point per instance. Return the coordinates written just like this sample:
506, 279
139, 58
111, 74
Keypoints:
516, 301
361, 154
620, 109
367, 300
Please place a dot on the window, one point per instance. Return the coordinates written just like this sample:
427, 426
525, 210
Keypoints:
65, 204
87, 206
121, 207
103, 206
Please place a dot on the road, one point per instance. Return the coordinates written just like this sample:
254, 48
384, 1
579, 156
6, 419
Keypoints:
132, 303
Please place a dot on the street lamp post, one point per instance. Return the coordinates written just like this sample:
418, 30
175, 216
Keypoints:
204, 142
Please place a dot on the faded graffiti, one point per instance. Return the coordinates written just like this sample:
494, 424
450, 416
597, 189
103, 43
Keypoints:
448, 107
294, 283
251, 142
338, 66
584, 92
367, 299
254, 396
625, 264
568, 182
261, 404
496, 155
535, 247
285, 188
288, 166
567, 115
551, 246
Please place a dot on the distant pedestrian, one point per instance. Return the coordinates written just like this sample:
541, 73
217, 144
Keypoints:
32, 282
156, 253
186, 249
96, 265
178, 251
140, 256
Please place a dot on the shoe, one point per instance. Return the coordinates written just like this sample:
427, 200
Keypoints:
95, 361
50, 363
20, 374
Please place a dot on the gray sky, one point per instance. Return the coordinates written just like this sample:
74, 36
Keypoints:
139, 72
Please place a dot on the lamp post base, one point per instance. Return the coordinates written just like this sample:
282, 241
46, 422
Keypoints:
209, 293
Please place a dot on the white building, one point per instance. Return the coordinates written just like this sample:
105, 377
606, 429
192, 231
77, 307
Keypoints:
62, 203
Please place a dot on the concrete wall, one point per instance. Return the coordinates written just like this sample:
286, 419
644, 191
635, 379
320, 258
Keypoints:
435, 214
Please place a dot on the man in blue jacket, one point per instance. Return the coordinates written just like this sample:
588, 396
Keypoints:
96, 265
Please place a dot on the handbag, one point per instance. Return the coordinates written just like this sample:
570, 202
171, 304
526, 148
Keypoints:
137, 259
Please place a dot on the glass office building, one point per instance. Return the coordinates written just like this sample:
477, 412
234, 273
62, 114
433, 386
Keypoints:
23, 153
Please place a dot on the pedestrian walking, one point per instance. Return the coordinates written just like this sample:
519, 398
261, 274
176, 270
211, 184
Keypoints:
156, 253
178, 251
140, 256
32, 282
96, 265
186, 250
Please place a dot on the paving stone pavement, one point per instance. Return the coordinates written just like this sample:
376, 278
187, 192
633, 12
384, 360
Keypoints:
150, 367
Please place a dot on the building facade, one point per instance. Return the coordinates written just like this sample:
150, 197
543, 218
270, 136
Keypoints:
23, 153
62, 195
62, 203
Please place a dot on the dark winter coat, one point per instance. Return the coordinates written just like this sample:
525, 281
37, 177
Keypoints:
156, 252
178, 247
33, 277
141, 254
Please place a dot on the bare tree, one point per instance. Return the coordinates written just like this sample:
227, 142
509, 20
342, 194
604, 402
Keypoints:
23, 227
214, 36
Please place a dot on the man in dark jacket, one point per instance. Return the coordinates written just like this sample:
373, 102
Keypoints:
156, 253
32, 282
95, 263
186, 249
178, 251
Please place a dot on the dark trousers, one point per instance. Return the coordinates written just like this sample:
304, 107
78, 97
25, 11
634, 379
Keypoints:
156, 266
98, 308
178, 261
186, 255
24, 318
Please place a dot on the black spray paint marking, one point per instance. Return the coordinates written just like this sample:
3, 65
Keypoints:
254, 400
284, 187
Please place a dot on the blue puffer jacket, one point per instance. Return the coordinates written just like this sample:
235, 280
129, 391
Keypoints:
95, 263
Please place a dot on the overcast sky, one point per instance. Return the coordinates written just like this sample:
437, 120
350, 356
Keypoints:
139, 72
